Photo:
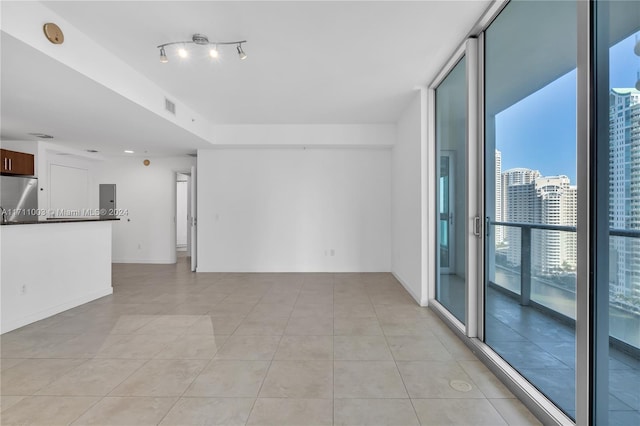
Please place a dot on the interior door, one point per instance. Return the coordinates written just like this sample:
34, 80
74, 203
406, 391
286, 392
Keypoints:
193, 228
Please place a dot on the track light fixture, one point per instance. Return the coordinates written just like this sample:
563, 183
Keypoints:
214, 52
163, 56
201, 40
241, 53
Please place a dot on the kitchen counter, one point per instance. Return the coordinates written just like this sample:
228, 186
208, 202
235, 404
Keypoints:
46, 270
61, 220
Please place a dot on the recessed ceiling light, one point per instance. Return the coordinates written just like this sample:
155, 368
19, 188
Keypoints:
128, 151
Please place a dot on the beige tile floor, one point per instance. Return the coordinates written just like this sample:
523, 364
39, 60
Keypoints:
175, 348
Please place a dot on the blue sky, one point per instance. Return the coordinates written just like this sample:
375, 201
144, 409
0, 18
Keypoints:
539, 132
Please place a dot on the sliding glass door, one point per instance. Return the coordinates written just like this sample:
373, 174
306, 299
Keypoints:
451, 148
559, 188
531, 193
616, 226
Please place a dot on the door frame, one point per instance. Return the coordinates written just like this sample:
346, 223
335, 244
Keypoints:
472, 227
193, 229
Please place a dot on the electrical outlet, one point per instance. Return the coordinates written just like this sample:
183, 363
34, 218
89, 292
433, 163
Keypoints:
23, 289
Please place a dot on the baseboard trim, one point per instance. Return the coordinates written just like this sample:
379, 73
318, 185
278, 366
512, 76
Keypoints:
150, 261
419, 301
233, 270
46, 313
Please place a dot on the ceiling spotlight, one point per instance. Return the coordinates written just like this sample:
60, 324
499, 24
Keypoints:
128, 151
163, 56
241, 53
201, 40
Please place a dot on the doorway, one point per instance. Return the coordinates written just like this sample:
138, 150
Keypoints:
182, 216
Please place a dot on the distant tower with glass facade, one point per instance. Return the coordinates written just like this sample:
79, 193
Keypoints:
554, 251
518, 205
529, 197
499, 215
624, 190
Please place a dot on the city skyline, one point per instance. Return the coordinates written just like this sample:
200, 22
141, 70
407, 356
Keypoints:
551, 148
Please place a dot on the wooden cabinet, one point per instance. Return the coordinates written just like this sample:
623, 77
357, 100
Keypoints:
16, 163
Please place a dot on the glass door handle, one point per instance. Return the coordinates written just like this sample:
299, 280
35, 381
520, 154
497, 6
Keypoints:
451, 219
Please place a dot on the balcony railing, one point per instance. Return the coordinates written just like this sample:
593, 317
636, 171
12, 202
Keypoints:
525, 252
526, 272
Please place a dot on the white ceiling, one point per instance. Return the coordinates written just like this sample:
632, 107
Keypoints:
309, 62
41, 95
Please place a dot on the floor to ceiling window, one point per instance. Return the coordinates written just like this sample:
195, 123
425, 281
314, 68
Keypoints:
617, 186
531, 193
451, 122
560, 183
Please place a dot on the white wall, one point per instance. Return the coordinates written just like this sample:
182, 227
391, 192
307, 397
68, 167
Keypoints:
49, 268
274, 135
148, 233
276, 209
406, 219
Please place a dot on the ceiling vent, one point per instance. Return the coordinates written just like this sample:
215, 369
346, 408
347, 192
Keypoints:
169, 106
41, 135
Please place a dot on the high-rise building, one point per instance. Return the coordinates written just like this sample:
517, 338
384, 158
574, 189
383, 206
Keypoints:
529, 197
554, 251
518, 205
624, 190
498, 213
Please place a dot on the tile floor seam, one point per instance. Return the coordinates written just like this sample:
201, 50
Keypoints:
53, 380
270, 364
181, 395
499, 412
415, 412
473, 383
333, 348
97, 359
88, 408
125, 379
